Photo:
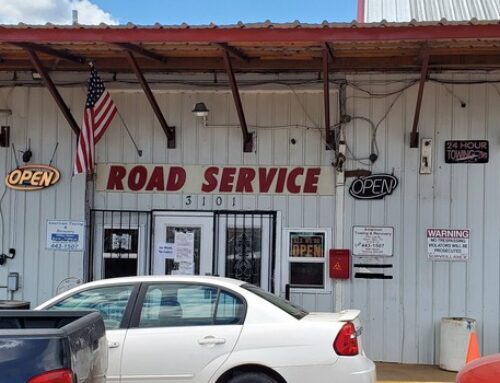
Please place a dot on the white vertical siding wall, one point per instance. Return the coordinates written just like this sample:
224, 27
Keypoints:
35, 119
401, 316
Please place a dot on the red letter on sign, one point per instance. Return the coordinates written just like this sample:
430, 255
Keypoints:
176, 178
291, 184
156, 181
245, 179
137, 178
227, 179
115, 178
266, 178
311, 183
210, 180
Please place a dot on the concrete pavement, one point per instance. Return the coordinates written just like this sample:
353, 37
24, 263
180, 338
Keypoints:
399, 373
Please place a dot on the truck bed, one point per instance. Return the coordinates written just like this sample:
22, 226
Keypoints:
33, 342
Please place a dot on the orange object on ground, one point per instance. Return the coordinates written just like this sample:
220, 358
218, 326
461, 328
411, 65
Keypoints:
473, 351
482, 370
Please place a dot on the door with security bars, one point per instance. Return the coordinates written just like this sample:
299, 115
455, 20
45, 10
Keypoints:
245, 246
119, 243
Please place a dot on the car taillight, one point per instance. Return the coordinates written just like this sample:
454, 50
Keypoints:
346, 343
56, 376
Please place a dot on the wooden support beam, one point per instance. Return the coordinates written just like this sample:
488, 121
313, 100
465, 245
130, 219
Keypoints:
424, 72
143, 52
247, 136
234, 52
169, 130
65, 55
329, 136
53, 91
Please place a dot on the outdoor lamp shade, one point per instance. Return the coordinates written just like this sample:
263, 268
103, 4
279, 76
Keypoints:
200, 110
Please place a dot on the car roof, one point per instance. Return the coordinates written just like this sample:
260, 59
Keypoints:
229, 282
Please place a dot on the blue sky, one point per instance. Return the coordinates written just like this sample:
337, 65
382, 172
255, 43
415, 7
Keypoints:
228, 11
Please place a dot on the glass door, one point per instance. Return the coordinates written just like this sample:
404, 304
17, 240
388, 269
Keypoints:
182, 243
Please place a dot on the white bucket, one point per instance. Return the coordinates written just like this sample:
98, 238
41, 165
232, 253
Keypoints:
455, 334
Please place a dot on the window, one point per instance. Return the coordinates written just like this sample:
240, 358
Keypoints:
307, 258
294, 310
111, 302
189, 305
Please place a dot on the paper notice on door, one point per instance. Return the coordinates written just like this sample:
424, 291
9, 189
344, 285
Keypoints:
184, 248
185, 268
165, 250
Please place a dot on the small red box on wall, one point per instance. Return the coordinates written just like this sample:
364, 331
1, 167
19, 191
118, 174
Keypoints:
340, 263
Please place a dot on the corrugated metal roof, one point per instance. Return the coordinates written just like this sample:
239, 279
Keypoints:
430, 10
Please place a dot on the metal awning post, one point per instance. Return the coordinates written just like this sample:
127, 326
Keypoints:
247, 136
423, 78
53, 91
329, 136
169, 130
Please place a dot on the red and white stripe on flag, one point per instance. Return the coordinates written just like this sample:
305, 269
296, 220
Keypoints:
99, 112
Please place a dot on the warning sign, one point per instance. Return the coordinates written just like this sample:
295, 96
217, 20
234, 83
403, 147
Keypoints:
448, 244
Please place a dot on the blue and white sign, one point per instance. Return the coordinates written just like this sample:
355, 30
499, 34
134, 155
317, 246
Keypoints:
65, 235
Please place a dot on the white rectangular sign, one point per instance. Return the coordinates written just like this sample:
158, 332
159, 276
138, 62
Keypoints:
373, 241
448, 244
65, 235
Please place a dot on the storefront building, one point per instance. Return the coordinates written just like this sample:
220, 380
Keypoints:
403, 185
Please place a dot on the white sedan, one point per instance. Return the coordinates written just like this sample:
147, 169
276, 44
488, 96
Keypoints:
180, 329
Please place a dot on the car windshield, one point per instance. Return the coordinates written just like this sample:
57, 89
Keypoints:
294, 310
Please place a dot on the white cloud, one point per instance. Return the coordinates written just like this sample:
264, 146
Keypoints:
52, 11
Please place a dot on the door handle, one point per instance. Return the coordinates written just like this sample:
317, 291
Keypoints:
211, 341
114, 344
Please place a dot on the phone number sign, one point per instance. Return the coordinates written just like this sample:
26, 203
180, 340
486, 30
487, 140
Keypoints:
65, 235
375, 241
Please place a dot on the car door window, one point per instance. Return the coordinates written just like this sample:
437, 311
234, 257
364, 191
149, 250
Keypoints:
111, 302
170, 305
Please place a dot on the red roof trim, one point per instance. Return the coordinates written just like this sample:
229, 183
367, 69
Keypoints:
231, 35
361, 11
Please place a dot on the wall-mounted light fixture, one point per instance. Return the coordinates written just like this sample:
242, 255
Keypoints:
201, 110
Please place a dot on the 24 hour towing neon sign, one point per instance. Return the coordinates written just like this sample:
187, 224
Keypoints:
308, 180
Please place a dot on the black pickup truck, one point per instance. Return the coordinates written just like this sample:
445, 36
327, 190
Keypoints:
52, 346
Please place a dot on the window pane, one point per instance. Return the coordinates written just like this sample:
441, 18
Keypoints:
178, 305
290, 308
230, 309
111, 302
307, 274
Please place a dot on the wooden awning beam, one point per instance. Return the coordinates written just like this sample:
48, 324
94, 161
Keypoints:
424, 73
169, 130
327, 46
148, 53
62, 54
247, 136
53, 91
234, 52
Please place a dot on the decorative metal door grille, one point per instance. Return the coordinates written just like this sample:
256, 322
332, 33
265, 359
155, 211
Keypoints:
118, 243
249, 236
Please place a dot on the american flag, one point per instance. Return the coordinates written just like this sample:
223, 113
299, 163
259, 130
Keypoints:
99, 112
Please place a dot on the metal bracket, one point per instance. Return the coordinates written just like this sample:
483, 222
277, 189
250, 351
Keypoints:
423, 78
